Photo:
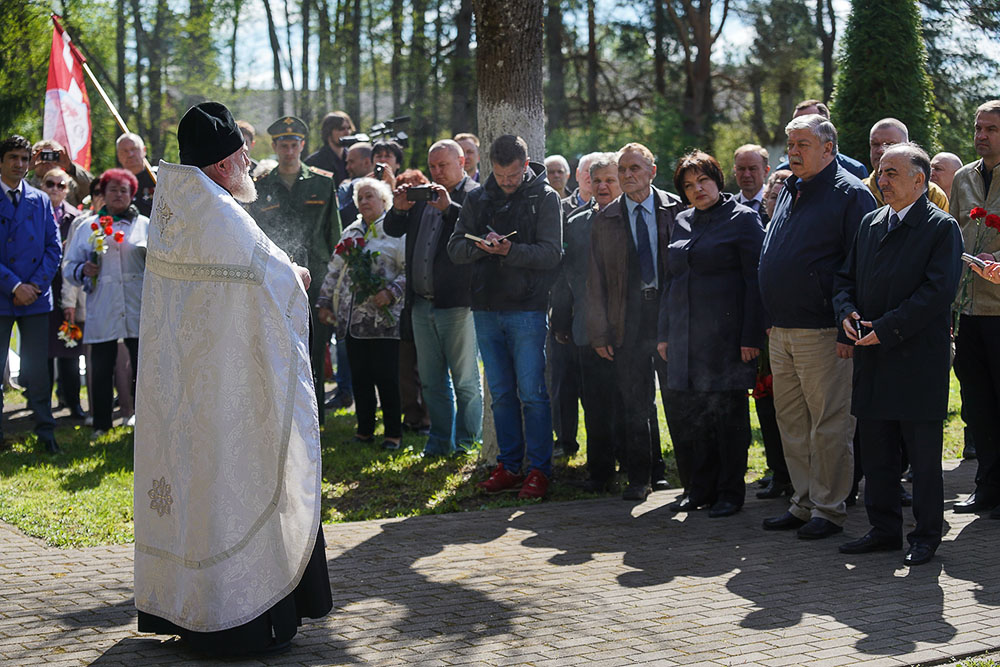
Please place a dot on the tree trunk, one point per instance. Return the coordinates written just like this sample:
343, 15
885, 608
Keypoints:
509, 57
237, 7
291, 60
324, 61
419, 74
374, 61
120, 60
555, 91
659, 55
156, 141
352, 96
827, 39
140, 87
272, 34
463, 94
305, 103
591, 60
396, 66
435, 73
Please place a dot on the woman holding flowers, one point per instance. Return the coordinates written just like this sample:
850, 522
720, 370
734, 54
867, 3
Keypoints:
711, 331
362, 297
108, 260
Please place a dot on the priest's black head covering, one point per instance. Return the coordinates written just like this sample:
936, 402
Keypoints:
208, 134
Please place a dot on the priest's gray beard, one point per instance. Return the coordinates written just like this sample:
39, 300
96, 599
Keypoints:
243, 189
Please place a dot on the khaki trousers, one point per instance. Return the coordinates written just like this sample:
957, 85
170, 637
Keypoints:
812, 400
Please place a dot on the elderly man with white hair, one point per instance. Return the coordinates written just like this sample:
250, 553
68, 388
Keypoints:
229, 551
557, 172
131, 152
810, 357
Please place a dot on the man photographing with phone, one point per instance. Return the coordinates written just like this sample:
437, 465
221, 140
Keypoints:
893, 297
48, 154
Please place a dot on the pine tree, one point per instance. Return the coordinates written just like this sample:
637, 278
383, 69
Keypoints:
883, 73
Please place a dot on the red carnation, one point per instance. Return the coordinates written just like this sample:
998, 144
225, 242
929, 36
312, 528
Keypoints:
95, 226
361, 243
977, 213
119, 237
339, 249
108, 231
107, 219
993, 220
348, 243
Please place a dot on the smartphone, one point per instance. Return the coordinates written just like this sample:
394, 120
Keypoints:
48, 156
421, 193
379, 170
972, 259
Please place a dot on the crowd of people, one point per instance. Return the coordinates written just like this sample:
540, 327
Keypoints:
833, 293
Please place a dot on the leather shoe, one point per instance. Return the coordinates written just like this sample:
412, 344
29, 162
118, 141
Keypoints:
597, 486
661, 485
818, 528
905, 498
918, 554
636, 492
50, 445
723, 508
774, 490
869, 544
763, 482
786, 521
972, 504
682, 504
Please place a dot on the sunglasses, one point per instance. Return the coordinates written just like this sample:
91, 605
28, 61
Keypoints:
53, 184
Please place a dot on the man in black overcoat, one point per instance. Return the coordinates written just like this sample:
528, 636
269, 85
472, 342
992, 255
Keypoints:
893, 297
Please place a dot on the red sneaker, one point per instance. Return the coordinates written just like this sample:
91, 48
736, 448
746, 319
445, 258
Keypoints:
535, 486
500, 480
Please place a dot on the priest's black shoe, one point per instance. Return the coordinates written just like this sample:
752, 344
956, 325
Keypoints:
869, 544
682, 504
723, 508
636, 492
918, 554
774, 490
786, 521
972, 504
818, 528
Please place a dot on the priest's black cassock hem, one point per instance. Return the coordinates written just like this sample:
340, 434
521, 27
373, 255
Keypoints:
310, 599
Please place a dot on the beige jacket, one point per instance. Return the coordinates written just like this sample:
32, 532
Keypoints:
975, 295
934, 193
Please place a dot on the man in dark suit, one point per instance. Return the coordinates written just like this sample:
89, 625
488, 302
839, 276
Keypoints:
624, 279
29, 260
893, 297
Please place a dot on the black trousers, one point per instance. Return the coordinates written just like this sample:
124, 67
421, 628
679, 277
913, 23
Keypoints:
713, 429
883, 442
602, 410
104, 356
564, 392
977, 365
634, 379
772, 439
67, 370
375, 363
319, 339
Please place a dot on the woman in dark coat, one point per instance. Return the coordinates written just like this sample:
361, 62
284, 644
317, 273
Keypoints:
711, 330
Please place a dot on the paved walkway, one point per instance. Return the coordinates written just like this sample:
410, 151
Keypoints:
589, 582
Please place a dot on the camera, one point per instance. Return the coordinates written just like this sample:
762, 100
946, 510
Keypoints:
421, 193
48, 156
352, 139
379, 170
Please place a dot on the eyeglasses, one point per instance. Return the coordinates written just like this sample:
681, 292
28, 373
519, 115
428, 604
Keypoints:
53, 184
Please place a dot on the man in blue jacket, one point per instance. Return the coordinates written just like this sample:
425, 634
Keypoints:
813, 228
29, 259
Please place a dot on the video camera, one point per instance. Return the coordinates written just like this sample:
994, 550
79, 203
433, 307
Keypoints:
389, 130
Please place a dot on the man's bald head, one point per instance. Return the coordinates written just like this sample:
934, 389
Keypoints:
943, 168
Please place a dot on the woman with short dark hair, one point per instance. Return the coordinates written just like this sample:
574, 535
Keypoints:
711, 330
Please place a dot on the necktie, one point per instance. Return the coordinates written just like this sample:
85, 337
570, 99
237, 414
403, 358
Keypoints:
893, 222
646, 270
752, 203
13, 197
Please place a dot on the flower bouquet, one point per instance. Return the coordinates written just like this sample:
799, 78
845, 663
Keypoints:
101, 233
360, 268
983, 220
69, 334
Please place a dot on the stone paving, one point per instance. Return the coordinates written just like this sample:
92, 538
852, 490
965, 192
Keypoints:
600, 582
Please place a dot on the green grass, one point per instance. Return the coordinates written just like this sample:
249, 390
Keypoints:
83, 497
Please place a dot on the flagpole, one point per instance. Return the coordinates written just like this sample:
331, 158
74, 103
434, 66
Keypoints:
104, 95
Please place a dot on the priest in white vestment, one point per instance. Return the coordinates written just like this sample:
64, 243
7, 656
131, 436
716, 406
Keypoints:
229, 551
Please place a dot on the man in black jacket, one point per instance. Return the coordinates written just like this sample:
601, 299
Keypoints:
893, 297
437, 294
510, 232
814, 224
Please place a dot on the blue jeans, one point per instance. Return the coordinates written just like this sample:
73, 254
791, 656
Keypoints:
33, 332
512, 344
447, 360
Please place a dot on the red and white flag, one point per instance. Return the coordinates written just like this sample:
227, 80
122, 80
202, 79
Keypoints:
67, 108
